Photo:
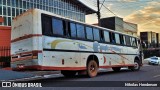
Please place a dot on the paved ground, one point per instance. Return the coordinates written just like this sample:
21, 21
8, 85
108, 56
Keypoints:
147, 73
52, 78
12, 75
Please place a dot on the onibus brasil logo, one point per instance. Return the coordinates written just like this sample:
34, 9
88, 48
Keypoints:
13, 84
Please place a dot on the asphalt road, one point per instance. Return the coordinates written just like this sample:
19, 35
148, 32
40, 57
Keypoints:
146, 73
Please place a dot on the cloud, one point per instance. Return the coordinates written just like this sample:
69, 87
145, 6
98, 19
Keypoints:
148, 18
128, 0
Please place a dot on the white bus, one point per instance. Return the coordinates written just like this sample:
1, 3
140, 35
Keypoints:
41, 40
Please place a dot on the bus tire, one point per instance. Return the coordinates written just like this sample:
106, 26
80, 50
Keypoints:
68, 73
136, 66
92, 68
116, 69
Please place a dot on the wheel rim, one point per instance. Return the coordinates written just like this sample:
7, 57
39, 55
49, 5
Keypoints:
136, 65
93, 69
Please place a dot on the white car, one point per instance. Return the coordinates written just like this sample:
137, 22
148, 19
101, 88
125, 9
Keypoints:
154, 60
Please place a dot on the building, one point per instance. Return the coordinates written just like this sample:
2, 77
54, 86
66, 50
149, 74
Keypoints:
9, 9
130, 28
150, 38
114, 23
118, 24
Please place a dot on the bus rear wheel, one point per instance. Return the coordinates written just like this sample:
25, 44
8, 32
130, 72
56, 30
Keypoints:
68, 73
136, 66
92, 68
116, 69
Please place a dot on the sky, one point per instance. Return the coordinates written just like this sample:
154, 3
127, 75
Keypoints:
145, 13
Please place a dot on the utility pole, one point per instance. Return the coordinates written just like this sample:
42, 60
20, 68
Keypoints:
98, 13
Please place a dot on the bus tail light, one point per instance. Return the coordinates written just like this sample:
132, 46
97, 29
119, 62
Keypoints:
35, 54
62, 61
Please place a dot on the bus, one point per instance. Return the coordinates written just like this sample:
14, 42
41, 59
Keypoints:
41, 40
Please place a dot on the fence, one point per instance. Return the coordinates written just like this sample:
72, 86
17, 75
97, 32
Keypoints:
151, 53
5, 57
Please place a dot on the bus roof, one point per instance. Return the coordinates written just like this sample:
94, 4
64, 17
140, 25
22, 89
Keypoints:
58, 16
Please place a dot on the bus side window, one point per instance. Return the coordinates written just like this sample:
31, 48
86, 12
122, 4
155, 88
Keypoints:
106, 36
124, 39
101, 35
72, 30
80, 31
117, 38
96, 34
113, 38
128, 42
121, 40
47, 25
89, 33
57, 25
134, 42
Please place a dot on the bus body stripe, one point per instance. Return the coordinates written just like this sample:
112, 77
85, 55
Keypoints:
39, 67
79, 51
26, 37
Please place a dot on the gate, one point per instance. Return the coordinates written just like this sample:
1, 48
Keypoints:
5, 57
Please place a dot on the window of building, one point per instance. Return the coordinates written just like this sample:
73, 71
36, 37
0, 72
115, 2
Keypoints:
13, 12
17, 12
73, 31
89, 33
13, 3
4, 2
24, 4
128, 43
9, 11
4, 11
47, 25
0, 10
17, 3
5, 20
80, 31
117, 38
96, 34
9, 21
57, 25
8, 2
106, 36
20, 2
0, 2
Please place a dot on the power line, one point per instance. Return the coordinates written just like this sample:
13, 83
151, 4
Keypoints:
102, 4
109, 10
117, 16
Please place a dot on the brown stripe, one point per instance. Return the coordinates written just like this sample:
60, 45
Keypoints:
26, 37
21, 59
110, 66
38, 67
38, 51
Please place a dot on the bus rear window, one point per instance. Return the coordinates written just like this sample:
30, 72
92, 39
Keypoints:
47, 25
